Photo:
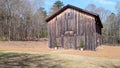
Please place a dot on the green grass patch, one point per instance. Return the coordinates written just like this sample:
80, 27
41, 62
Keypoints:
53, 60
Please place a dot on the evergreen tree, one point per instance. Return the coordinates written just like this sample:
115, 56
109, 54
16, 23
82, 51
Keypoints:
56, 6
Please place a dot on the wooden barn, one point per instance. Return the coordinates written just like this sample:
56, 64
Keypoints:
70, 25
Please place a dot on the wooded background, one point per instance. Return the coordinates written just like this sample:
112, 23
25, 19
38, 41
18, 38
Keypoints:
25, 20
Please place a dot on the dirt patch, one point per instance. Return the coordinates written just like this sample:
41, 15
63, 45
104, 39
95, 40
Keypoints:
42, 46
103, 51
25, 46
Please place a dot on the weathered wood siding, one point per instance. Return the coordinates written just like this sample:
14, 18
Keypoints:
69, 27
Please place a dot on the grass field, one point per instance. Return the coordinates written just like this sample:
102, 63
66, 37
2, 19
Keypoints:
31, 54
53, 60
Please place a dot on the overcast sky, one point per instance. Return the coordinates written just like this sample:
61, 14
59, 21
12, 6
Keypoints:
107, 4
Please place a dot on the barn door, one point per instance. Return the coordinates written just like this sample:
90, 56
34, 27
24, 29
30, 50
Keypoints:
69, 42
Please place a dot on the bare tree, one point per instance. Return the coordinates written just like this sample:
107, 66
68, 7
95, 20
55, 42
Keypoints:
103, 13
17, 20
39, 18
111, 28
118, 20
91, 7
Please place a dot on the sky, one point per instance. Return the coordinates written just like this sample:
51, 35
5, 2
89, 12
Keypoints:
107, 4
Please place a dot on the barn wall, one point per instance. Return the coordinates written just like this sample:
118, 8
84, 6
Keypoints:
71, 26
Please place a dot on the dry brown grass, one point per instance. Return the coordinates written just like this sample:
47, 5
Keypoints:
42, 46
25, 46
44, 57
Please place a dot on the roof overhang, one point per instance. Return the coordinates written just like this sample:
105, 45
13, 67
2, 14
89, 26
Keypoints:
77, 9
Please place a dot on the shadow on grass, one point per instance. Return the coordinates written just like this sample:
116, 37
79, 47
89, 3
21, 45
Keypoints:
15, 60
109, 66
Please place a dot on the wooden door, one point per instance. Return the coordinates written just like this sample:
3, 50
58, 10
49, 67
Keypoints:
69, 42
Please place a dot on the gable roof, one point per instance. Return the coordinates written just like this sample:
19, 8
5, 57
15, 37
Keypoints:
79, 10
